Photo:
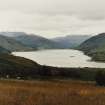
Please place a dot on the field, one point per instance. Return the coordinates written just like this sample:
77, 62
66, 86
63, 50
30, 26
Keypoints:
50, 93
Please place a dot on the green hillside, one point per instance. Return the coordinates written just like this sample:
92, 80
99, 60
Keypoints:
95, 47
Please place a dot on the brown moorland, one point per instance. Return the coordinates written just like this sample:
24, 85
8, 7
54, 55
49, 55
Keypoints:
71, 92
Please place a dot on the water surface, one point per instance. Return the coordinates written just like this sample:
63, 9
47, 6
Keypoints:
61, 58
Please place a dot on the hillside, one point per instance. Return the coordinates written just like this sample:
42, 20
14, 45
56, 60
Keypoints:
16, 66
38, 42
10, 44
32, 40
4, 51
71, 41
95, 47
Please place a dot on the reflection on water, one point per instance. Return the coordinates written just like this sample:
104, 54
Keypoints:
61, 58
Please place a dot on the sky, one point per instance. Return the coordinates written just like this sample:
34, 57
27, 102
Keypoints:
53, 18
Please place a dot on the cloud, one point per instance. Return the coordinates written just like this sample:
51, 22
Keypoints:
53, 17
85, 9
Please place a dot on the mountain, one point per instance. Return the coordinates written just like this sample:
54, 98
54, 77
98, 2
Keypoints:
4, 51
95, 47
9, 44
71, 41
37, 42
12, 34
32, 40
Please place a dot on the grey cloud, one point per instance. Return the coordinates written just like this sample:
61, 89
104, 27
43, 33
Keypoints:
53, 16
84, 9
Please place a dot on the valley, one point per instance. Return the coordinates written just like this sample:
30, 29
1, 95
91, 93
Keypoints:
52, 52
36, 70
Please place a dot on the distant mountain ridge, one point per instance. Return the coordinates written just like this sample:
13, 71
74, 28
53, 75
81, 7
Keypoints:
12, 34
37, 42
95, 47
9, 44
71, 41
32, 40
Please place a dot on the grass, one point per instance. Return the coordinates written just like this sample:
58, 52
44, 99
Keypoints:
50, 93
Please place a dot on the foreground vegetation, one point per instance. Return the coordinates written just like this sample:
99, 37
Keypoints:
50, 93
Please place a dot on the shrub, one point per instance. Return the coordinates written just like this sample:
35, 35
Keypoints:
100, 78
